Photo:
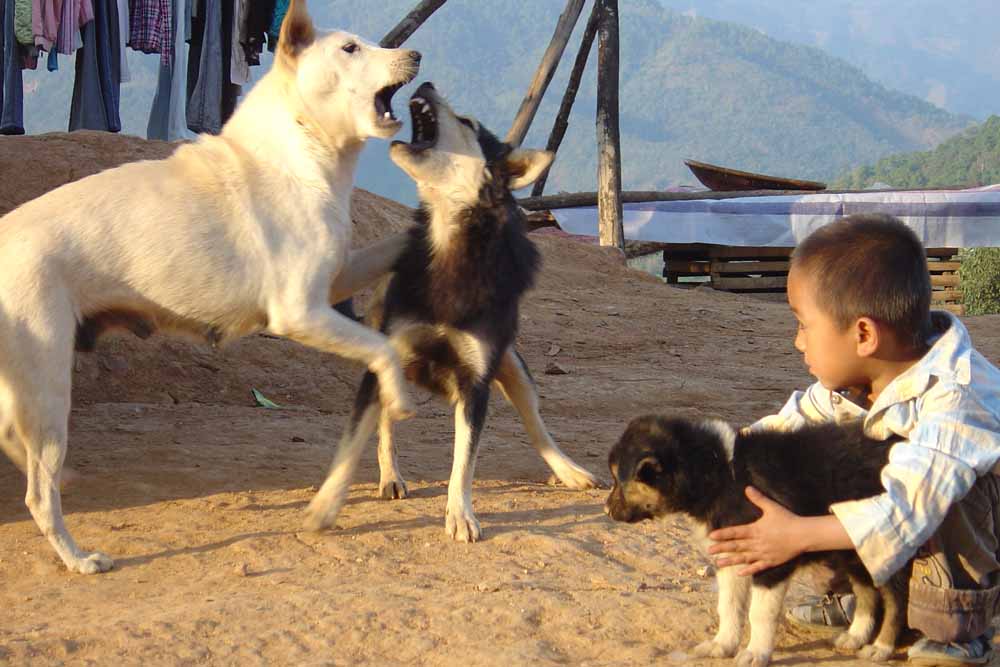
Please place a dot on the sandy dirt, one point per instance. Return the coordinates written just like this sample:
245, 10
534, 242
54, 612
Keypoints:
199, 496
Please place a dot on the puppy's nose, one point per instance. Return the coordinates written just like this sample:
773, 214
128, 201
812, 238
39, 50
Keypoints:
415, 57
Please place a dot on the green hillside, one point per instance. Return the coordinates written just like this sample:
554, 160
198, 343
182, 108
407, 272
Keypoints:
691, 87
968, 159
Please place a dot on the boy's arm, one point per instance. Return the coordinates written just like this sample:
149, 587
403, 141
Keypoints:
776, 537
803, 407
954, 441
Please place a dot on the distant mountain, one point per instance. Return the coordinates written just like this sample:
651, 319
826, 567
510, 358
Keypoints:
971, 158
690, 87
945, 53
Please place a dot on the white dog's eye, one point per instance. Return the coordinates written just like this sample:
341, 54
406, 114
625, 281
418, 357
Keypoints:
350, 47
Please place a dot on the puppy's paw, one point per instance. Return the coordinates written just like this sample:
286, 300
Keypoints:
392, 487
713, 649
845, 641
876, 652
92, 563
748, 658
461, 524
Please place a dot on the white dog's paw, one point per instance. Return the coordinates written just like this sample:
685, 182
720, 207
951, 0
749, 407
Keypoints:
748, 658
713, 649
397, 403
461, 524
92, 563
876, 652
319, 515
392, 487
845, 641
575, 477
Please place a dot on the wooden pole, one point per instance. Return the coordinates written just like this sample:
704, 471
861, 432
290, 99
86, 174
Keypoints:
562, 118
578, 199
550, 59
410, 23
609, 169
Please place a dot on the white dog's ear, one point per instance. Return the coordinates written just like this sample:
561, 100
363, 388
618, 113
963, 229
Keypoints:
525, 165
297, 32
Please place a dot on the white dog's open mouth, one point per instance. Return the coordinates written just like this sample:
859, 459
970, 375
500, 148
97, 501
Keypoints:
383, 105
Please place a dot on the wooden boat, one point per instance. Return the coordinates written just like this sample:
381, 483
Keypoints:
724, 179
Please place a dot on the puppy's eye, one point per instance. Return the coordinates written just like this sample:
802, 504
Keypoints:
350, 47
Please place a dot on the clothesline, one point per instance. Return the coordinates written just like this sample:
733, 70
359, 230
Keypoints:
206, 49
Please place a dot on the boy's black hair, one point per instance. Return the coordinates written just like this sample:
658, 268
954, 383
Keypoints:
870, 265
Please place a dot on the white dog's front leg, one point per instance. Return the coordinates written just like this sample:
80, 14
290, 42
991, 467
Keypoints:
765, 615
325, 329
734, 593
367, 265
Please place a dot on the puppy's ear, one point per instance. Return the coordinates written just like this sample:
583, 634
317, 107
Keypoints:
523, 166
297, 32
648, 470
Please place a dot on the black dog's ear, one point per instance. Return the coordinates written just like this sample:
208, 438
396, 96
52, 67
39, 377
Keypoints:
648, 470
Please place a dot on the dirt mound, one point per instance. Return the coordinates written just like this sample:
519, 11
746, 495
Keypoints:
199, 495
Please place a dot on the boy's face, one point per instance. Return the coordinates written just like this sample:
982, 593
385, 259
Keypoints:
829, 352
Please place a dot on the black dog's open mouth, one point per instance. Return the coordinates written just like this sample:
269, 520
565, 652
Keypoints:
383, 104
425, 124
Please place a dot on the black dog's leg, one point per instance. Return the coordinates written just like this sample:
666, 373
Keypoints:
330, 498
470, 415
865, 612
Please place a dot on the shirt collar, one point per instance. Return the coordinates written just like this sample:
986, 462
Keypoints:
947, 359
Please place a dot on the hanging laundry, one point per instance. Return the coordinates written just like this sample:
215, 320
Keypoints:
96, 90
123, 25
151, 27
239, 67
12, 88
211, 95
255, 23
22, 22
168, 116
75, 15
280, 9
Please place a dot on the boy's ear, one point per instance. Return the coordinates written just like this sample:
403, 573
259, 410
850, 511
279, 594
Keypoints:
525, 165
868, 336
297, 32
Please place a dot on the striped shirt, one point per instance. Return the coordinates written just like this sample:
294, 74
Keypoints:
947, 409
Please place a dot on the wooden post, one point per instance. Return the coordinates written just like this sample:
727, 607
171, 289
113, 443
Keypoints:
550, 59
562, 118
609, 169
410, 23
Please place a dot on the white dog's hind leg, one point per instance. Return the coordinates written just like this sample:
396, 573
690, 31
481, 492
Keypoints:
516, 384
328, 501
765, 617
470, 414
391, 484
734, 594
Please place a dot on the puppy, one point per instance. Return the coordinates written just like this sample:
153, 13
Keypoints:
451, 307
701, 469
233, 234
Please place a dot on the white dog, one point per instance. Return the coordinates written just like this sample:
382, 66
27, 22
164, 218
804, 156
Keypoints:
234, 234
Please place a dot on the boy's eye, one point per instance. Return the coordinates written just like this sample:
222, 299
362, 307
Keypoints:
350, 47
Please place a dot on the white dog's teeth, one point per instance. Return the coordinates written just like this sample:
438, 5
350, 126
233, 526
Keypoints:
387, 115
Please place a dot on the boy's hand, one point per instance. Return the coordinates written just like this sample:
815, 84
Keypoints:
771, 540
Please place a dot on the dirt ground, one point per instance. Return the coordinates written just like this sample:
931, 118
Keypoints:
199, 496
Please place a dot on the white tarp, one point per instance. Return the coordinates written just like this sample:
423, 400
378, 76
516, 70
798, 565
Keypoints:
941, 219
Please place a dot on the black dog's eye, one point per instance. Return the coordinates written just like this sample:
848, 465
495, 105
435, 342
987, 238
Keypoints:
350, 47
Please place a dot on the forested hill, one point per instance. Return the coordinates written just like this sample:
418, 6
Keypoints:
968, 159
690, 87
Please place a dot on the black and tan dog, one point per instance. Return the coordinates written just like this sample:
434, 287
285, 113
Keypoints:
451, 307
664, 466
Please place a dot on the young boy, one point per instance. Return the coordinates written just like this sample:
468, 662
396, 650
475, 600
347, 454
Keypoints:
861, 293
